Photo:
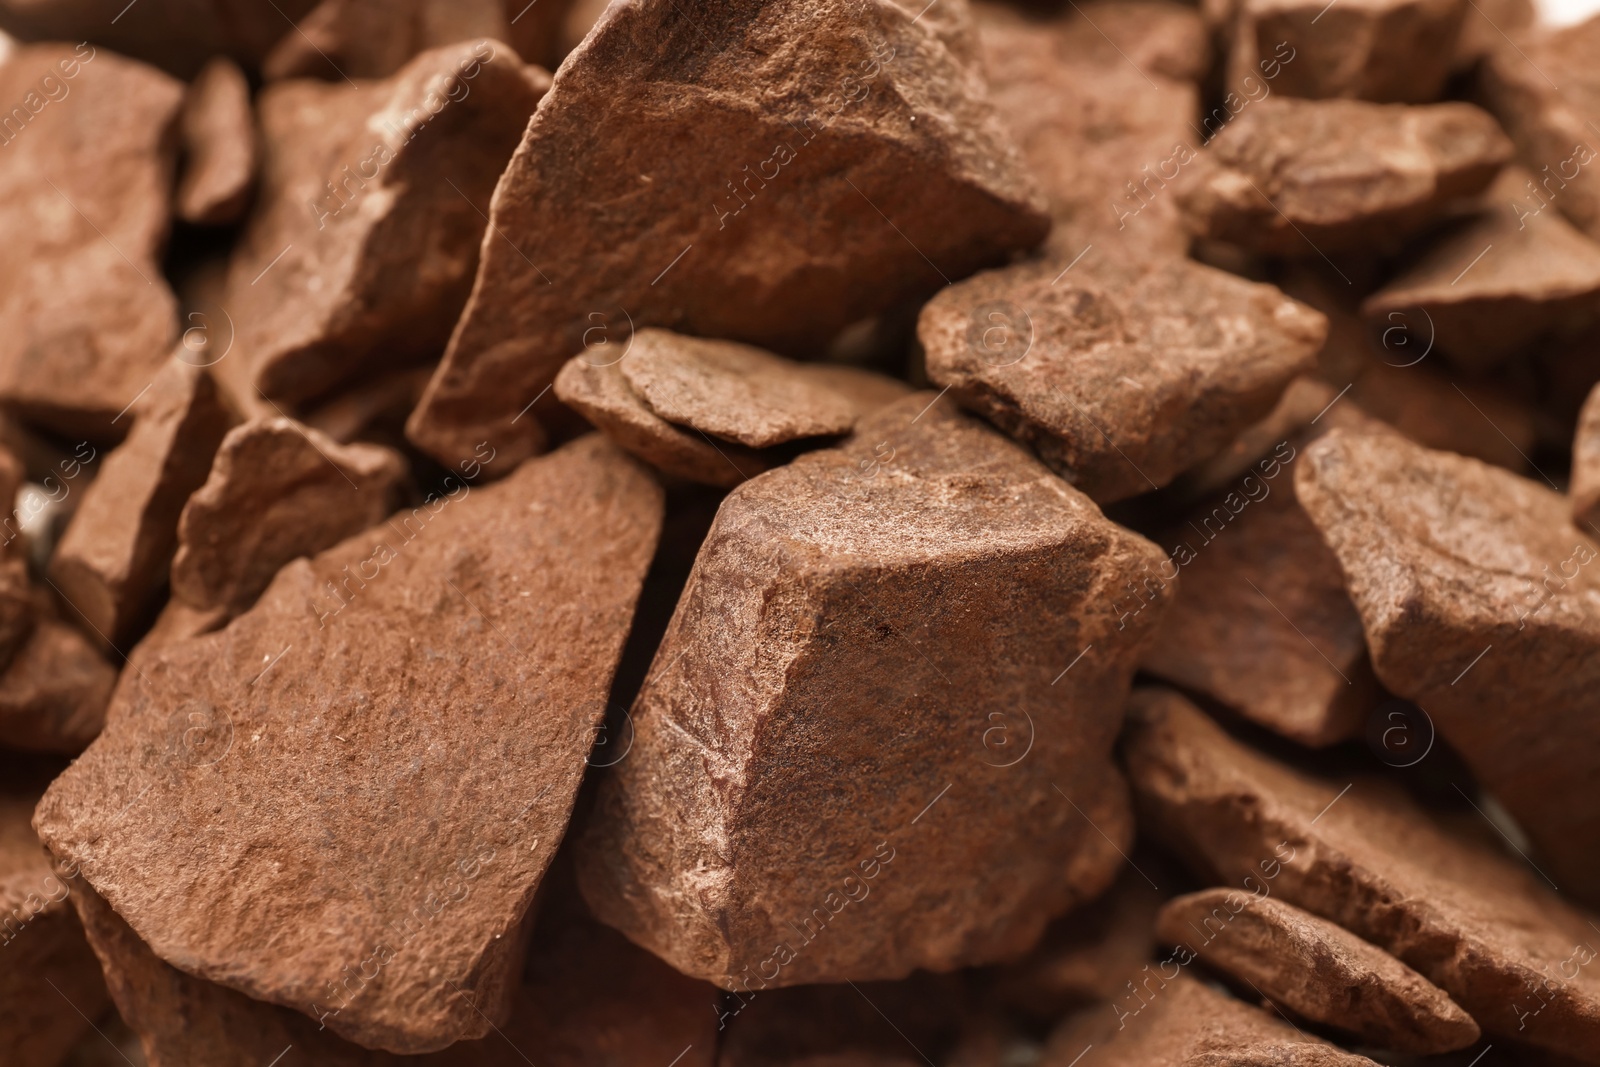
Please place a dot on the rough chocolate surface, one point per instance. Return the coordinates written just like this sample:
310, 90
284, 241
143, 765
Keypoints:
384, 750
1474, 589
1118, 371
1584, 493
1312, 177
1317, 970
218, 130
84, 210
873, 638
277, 490
362, 245
1361, 854
54, 693
827, 160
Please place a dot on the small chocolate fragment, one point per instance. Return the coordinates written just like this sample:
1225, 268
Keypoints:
113, 557
1482, 927
1389, 51
384, 749
1584, 492
802, 192
1475, 589
219, 145
1183, 1022
363, 242
1509, 276
1317, 970
1121, 373
53, 695
41, 942
878, 644
86, 194
1304, 178
277, 490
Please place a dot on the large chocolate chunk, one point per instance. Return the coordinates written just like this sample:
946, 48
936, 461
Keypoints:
877, 643
794, 191
1316, 969
384, 750
1119, 372
1478, 925
1311, 177
363, 242
89, 145
219, 144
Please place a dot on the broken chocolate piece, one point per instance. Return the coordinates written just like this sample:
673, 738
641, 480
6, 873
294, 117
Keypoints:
930, 584
1478, 925
1510, 275
53, 695
1186, 1023
362, 246
1311, 177
114, 555
1584, 493
803, 192
86, 191
277, 490
1389, 51
386, 746
1316, 969
219, 144
1120, 373
1474, 589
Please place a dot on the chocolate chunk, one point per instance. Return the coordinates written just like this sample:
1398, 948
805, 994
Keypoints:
1183, 1022
1311, 177
1584, 493
873, 637
361, 249
1479, 926
802, 192
374, 406
89, 150
113, 557
1317, 970
219, 143
385, 749
277, 490
600, 393
53, 695
1121, 373
1101, 99
1513, 274
1542, 88
1261, 622
40, 939
732, 391
375, 38
1474, 589
1306, 398
1390, 51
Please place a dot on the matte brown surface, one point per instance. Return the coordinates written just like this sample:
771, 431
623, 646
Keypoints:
344, 801
218, 131
1584, 493
786, 131
862, 660
53, 695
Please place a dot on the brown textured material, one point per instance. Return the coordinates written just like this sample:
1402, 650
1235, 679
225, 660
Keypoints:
872, 1024
114, 555
1584, 492
1186, 1023
1398, 51
1361, 854
1119, 372
219, 145
1493, 285
1101, 99
923, 583
1485, 26
277, 490
1317, 970
41, 943
53, 695
1311, 177
270, 778
362, 245
829, 159
1475, 589
86, 189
